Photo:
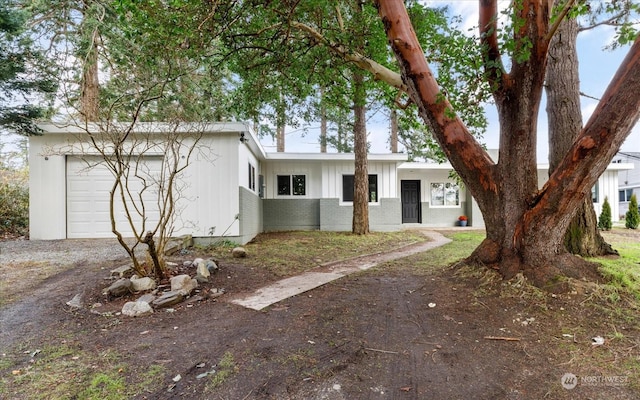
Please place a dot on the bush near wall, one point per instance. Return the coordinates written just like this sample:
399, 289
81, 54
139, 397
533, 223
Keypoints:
14, 204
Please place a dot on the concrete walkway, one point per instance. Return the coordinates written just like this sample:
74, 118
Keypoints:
316, 277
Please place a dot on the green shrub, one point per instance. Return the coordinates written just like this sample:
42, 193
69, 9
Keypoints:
14, 204
632, 217
604, 221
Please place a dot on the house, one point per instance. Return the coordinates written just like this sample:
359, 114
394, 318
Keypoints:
232, 188
628, 179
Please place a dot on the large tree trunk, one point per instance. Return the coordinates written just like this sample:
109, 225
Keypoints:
565, 123
323, 123
393, 140
280, 128
89, 85
525, 226
360, 223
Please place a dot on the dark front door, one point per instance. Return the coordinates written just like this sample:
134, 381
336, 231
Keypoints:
410, 198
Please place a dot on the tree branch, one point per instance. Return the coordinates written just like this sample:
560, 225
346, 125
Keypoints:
380, 72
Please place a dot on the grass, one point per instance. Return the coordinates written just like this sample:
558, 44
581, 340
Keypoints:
287, 253
64, 372
623, 273
226, 369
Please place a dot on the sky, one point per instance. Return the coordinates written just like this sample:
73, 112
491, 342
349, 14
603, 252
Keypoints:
597, 67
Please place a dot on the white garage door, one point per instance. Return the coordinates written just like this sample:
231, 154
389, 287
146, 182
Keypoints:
88, 197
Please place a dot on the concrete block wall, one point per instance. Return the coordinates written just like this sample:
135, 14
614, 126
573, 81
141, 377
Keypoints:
384, 216
290, 214
443, 216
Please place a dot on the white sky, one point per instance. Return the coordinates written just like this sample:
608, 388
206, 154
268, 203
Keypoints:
597, 67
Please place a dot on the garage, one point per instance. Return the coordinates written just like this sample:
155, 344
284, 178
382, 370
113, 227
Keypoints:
88, 183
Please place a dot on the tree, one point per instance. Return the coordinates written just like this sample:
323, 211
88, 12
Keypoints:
24, 75
525, 224
632, 217
565, 123
604, 222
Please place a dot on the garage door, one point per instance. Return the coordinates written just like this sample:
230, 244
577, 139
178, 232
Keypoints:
88, 197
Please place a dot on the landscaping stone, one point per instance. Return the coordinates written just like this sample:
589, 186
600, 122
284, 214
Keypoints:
202, 270
119, 288
142, 284
168, 299
183, 283
136, 308
212, 267
239, 252
76, 302
125, 271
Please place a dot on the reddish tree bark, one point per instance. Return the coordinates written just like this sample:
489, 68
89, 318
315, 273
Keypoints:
525, 226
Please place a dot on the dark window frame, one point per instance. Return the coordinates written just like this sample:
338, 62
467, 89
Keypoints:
291, 185
348, 183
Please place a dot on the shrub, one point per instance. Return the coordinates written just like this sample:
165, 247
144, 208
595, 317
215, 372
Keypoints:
604, 221
14, 203
632, 217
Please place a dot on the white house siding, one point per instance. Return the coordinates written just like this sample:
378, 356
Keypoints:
607, 186
436, 216
332, 178
208, 187
47, 197
310, 169
628, 179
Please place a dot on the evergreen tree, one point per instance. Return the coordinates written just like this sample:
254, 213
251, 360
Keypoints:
632, 218
604, 222
22, 74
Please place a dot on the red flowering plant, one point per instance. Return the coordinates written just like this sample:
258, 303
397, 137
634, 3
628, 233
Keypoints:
462, 218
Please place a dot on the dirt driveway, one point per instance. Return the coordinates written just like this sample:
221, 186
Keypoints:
392, 332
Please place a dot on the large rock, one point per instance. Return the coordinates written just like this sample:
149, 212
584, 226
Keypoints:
202, 270
239, 252
183, 283
136, 308
125, 271
168, 299
142, 284
119, 288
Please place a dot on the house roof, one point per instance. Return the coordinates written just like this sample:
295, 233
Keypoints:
397, 157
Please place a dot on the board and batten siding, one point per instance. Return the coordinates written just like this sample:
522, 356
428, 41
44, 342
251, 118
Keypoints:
311, 170
209, 196
332, 178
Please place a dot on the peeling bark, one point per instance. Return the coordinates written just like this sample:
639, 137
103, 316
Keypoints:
525, 226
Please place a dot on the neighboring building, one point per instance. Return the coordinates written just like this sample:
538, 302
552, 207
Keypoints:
233, 188
628, 180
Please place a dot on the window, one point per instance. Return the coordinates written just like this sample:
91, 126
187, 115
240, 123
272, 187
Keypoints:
348, 188
595, 196
625, 195
291, 185
445, 194
252, 177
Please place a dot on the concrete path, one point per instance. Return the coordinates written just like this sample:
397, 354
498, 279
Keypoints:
316, 277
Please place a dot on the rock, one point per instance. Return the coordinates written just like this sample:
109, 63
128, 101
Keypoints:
196, 262
183, 283
136, 308
171, 266
125, 271
76, 302
142, 284
147, 298
168, 299
119, 288
201, 279
202, 270
212, 267
239, 252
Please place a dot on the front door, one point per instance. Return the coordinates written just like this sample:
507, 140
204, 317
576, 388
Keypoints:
410, 198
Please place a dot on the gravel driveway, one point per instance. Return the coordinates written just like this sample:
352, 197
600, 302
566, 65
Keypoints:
61, 252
